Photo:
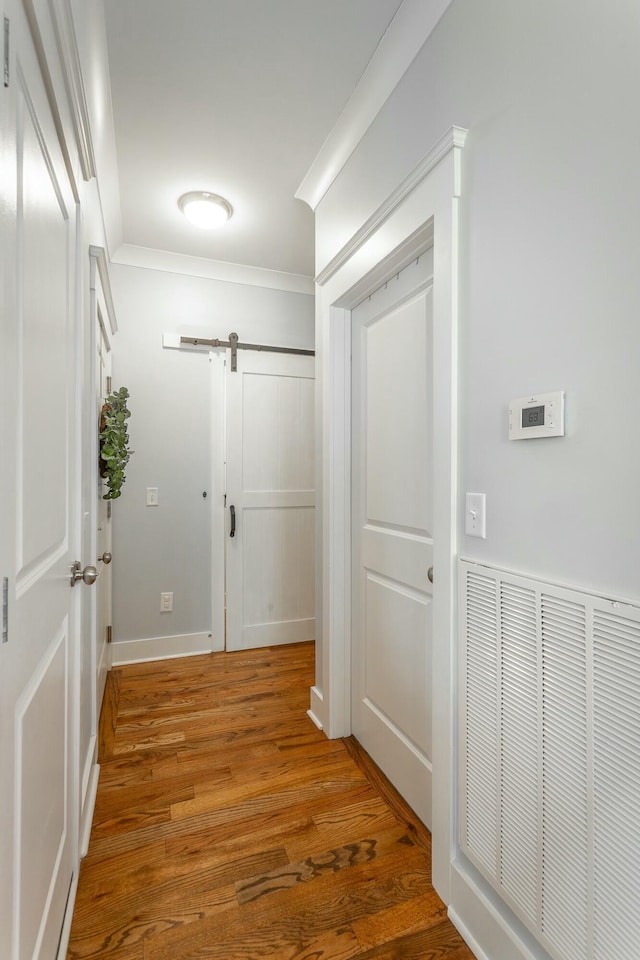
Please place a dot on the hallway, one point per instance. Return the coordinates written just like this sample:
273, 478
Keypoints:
227, 827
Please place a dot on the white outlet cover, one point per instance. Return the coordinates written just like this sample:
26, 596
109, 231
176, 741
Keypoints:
475, 515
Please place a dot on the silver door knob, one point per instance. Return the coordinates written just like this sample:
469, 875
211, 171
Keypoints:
89, 575
106, 557
430, 574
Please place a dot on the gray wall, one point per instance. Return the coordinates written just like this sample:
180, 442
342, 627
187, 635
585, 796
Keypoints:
549, 280
167, 548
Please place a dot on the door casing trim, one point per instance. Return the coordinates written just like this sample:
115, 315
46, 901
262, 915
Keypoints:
217, 359
408, 222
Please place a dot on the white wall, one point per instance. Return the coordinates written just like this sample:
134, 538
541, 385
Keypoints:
167, 548
549, 276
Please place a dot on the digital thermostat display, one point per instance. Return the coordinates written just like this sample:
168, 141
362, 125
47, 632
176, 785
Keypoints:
533, 416
538, 416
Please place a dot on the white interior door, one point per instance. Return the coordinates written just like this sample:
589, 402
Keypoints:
40, 510
270, 563
392, 530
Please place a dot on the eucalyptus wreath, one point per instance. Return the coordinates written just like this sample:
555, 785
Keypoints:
114, 442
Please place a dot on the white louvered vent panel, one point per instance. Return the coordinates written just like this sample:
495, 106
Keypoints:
564, 780
480, 817
519, 860
616, 654
550, 748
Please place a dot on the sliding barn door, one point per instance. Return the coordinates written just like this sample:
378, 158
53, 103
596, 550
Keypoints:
270, 500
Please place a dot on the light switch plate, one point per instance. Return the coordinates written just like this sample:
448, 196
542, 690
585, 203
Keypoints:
152, 496
475, 516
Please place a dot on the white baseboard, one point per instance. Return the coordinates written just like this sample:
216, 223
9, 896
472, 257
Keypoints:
91, 758
68, 918
484, 926
160, 648
313, 717
87, 809
470, 941
88, 790
278, 634
316, 707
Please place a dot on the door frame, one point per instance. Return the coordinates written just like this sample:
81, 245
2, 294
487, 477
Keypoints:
422, 212
101, 311
218, 406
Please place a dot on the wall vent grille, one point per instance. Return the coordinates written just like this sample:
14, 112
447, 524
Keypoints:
550, 758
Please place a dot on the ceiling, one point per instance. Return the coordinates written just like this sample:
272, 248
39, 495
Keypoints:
235, 97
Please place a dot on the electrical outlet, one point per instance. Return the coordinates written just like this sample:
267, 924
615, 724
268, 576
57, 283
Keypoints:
152, 496
166, 603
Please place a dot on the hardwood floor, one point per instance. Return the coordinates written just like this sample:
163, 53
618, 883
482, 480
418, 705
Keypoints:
227, 827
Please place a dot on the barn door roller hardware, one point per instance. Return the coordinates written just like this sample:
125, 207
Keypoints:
233, 343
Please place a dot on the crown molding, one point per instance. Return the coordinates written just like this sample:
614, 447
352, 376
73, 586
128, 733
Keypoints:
411, 27
62, 17
131, 255
453, 139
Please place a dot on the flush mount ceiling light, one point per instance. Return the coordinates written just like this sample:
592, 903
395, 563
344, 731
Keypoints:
205, 210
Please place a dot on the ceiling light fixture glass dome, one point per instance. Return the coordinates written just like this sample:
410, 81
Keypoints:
205, 210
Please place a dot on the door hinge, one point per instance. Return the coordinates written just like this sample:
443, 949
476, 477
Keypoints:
109, 633
6, 51
5, 609
109, 385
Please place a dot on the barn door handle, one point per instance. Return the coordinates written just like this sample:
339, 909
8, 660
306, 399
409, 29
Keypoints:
233, 520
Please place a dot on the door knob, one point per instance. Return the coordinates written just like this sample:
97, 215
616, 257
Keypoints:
89, 575
106, 557
430, 574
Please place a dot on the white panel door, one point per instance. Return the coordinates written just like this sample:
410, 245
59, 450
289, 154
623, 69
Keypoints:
392, 530
270, 490
40, 510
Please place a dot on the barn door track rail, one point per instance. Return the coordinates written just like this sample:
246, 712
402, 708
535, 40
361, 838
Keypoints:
235, 345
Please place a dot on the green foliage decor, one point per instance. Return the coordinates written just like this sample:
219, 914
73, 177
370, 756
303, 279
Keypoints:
114, 442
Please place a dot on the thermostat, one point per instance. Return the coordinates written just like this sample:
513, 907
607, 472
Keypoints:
538, 416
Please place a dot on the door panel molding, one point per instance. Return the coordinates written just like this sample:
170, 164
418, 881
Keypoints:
38, 813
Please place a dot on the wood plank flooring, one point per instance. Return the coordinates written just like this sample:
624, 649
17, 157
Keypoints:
227, 827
